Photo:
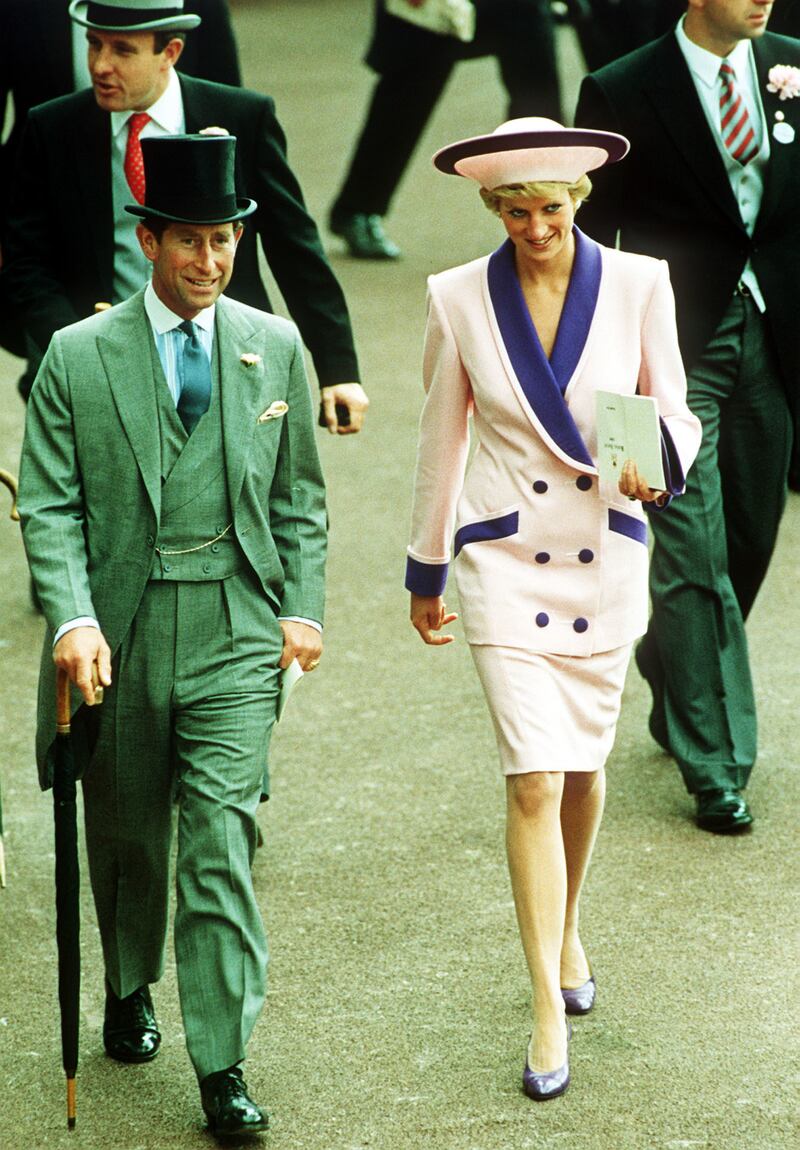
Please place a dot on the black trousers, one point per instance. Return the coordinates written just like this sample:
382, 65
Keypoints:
519, 33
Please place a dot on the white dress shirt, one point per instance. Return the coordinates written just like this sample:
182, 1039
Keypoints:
747, 181
131, 268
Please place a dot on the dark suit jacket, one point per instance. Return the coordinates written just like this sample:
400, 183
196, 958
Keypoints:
61, 232
36, 58
671, 197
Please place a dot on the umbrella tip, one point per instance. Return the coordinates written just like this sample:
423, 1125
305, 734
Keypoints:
71, 1122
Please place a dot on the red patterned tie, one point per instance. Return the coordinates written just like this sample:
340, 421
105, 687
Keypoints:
134, 165
737, 131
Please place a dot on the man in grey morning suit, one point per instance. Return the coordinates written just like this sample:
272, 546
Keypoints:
174, 520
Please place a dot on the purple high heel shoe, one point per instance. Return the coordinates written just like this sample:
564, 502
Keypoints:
542, 1087
579, 999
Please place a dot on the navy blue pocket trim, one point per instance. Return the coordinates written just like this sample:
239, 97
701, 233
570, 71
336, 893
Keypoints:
488, 529
627, 525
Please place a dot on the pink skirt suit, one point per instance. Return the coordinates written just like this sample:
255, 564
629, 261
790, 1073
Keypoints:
551, 571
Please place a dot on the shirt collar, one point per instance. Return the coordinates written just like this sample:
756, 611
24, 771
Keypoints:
167, 111
164, 320
704, 65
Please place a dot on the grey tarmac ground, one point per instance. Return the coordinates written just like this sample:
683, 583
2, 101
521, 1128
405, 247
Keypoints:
397, 1015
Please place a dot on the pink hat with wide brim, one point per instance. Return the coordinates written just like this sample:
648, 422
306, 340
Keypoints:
528, 149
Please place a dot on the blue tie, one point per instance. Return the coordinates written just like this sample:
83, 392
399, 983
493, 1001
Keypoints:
196, 390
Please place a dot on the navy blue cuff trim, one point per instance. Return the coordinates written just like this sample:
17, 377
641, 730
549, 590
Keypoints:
425, 578
627, 525
487, 529
673, 469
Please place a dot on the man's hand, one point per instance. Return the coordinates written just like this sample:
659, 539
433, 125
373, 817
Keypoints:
349, 395
300, 642
429, 614
632, 485
77, 653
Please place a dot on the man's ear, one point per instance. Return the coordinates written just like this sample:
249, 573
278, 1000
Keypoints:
147, 242
238, 233
173, 50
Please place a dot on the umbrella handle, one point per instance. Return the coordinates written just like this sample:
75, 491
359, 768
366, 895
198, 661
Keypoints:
62, 702
8, 479
63, 707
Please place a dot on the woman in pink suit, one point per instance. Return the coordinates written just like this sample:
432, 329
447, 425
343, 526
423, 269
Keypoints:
551, 569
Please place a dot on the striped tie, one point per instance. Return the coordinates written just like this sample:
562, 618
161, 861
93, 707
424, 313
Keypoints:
737, 131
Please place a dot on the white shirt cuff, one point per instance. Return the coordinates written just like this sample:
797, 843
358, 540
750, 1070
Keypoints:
299, 619
81, 621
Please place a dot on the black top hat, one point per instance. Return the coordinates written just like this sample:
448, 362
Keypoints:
191, 180
133, 15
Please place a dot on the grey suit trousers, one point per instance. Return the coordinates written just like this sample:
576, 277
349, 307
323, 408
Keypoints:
190, 712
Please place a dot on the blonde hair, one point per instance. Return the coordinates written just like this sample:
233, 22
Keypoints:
494, 198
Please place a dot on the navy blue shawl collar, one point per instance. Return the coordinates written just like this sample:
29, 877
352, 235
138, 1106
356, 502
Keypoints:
544, 381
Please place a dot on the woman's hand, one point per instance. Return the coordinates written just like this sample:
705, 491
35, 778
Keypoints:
632, 485
429, 614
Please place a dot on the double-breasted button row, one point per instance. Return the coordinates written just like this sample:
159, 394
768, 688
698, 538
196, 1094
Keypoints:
583, 483
580, 624
584, 556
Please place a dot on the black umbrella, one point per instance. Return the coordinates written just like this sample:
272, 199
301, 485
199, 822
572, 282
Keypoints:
67, 890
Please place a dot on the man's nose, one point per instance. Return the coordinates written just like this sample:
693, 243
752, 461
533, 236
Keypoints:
204, 257
101, 63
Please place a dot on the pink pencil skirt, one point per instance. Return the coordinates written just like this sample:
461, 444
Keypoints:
552, 712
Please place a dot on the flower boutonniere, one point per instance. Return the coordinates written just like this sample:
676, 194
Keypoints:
784, 80
249, 359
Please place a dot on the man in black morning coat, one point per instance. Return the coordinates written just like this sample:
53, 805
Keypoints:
63, 201
731, 233
37, 64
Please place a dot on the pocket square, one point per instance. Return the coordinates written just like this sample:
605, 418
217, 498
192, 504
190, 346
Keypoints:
274, 411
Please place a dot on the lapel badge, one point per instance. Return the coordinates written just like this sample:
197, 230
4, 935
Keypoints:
274, 411
250, 359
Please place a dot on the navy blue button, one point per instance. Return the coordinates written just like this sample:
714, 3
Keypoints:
580, 625
540, 487
542, 557
542, 619
584, 482
586, 556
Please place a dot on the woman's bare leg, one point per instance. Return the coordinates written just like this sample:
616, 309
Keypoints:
538, 870
581, 812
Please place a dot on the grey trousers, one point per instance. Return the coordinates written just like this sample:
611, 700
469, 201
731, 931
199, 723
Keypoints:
190, 712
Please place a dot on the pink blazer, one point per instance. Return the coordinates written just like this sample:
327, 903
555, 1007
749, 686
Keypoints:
543, 561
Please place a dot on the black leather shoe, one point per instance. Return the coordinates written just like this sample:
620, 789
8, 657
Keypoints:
130, 1030
657, 722
723, 812
364, 236
227, 1106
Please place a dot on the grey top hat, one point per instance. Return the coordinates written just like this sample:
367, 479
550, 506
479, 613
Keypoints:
133, 15
191, 180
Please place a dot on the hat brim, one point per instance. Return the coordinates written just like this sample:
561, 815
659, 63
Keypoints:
607, 147
185, 23
244, 208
